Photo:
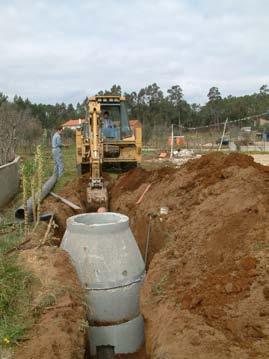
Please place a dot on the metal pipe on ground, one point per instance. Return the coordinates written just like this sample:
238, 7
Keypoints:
47, 187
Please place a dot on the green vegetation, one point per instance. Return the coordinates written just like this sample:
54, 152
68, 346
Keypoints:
260, 245
14, 280
14, 284
11, 233
154, 108
70, 171
14, 301
157, 288
157, 110
69, 158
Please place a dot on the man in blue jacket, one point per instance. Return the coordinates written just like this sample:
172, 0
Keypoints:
57, 153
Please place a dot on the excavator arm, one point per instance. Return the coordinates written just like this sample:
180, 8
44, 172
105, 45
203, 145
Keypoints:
95, 149
97, 195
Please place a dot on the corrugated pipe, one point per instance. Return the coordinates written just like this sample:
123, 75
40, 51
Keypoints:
47, 187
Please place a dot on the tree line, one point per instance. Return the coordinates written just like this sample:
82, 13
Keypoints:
155, 108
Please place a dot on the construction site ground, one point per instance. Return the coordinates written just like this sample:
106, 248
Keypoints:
263, 159
206, 293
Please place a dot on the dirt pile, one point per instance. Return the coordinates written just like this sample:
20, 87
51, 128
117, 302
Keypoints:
74, 191
58, 309
206, 294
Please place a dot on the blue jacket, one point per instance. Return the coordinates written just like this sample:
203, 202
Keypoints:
56, 140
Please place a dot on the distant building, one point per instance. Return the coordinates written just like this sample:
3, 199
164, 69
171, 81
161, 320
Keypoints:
73, 124
261, 121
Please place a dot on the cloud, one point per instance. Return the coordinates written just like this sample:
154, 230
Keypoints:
55, 51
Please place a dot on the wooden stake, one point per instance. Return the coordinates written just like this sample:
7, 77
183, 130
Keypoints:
143, 194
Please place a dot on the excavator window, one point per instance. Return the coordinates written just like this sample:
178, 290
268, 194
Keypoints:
125, 127
118, 117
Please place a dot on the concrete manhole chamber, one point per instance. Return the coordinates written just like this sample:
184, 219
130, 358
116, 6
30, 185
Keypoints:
111, 269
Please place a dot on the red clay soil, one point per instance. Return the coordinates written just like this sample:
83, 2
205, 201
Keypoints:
58, 309
75, 192
206, 294
141, 354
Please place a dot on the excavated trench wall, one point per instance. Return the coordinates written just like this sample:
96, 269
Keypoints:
206, 291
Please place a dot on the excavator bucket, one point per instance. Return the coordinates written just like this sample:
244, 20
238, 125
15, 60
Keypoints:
96, 198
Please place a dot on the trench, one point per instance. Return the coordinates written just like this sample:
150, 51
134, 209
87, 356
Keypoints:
105, 352
198, 198
75, 191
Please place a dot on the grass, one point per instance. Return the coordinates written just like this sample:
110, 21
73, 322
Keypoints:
11, 233
48, 299
15, 281
260, 245
256, 152
70, 171
69, 159
14, 301
157, 288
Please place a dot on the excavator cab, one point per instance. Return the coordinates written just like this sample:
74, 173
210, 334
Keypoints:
105, 139
114, 121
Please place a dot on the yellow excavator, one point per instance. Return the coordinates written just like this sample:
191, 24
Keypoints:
105, 138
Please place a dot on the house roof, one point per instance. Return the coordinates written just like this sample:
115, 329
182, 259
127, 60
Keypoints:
72, 122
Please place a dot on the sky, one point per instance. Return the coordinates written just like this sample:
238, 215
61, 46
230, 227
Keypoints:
61, 51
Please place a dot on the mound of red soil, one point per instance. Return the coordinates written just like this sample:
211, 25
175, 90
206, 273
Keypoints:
58, 307
74, 191
206, 294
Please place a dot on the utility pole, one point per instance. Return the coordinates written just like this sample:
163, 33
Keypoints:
172, 141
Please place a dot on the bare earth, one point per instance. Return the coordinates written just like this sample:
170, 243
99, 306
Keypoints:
262, 159
206, 294
58, 308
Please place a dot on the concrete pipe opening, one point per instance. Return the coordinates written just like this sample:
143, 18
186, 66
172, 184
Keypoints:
100, 219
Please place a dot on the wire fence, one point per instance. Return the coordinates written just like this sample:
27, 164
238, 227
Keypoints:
247, 134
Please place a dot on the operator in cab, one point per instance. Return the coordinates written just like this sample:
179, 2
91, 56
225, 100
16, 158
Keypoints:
107, 122
108, 128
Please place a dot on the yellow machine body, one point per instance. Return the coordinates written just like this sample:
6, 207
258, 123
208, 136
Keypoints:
97, 147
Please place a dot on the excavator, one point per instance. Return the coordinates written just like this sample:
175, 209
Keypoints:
100, 144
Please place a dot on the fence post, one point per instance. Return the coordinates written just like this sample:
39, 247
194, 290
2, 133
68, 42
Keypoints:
223, 133
172, 141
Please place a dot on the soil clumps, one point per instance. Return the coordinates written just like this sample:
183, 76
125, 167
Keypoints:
206, 291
